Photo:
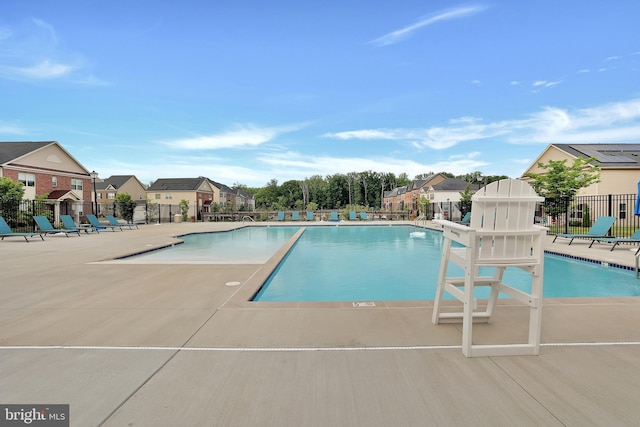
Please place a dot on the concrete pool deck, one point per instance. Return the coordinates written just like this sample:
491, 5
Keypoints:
160, 344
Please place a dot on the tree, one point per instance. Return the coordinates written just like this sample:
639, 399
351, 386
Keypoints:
10, 195
559, 183
464, 205
184, 209
10, 191
126, 206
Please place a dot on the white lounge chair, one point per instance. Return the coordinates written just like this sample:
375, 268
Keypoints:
501, 234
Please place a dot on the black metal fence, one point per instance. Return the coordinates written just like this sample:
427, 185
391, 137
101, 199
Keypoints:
570, 215
561, 216
19, 215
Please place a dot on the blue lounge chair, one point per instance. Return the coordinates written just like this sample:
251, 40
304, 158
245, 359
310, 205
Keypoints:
600, 228
334, 217
67, 221
113, 221
465, 219
295, 216
280, 216
309, 216
5, 231
46, 228
352, 216
634, 238
93, 220
363, 216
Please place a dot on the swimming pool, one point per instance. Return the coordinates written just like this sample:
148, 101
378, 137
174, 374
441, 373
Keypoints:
369, 263
250, 245
373, 263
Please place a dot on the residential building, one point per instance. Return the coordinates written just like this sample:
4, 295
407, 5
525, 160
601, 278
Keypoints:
198, 192
233, 198
616, 192
619, 165
46, 168
444, 196
407, 197
109, 188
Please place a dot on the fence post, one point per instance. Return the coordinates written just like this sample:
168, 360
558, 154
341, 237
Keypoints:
33, 212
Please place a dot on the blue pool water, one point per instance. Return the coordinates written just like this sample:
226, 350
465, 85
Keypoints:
384, 263
251, 245
371, 263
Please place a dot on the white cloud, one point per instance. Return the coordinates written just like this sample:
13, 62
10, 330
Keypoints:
48, 28
298, 165
41, 71
401, 34
363, 134
35, 52
437, 138
615, 122
247, 136
545, 83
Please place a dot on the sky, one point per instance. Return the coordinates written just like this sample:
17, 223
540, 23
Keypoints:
244, 92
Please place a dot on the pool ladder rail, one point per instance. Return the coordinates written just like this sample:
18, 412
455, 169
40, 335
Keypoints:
247, 217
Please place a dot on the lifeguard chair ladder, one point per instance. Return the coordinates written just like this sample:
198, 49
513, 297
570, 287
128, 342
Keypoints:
501, 234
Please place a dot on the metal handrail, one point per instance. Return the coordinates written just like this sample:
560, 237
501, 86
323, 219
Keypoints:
247, 216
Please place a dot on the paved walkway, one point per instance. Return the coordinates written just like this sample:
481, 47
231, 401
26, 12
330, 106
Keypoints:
168, 345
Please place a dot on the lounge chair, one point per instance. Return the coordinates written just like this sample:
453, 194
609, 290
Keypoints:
600, 228
334, 216
634, 238
113, 221
5, 231
363, 216
46, 228
465, 219
295, 216
309, 216
93, 220
67, 221
352, 216
280, 216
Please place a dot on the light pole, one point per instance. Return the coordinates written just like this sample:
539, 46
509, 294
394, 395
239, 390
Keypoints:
94, 205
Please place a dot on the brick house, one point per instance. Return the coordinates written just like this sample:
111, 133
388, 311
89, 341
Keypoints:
408, 196
46, 168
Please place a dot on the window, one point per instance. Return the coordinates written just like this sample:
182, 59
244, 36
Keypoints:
76, 184
157, 196
111, 196
99, 196
54, 181
168, 196
27, 179
577, 211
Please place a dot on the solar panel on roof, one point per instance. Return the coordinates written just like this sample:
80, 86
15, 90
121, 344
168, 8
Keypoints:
610, 153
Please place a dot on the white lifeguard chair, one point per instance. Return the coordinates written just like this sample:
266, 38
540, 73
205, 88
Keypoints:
501, 234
